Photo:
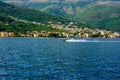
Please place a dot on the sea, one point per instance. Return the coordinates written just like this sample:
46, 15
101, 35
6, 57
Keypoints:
55, 59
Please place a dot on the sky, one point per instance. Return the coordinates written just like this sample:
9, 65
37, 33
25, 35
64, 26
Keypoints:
41, 1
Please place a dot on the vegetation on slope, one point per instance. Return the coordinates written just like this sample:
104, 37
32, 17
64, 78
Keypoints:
30, 14
103, 16
9, 25
11, 16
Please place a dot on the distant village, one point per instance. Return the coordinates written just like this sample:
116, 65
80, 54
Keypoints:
72, 32
69, 31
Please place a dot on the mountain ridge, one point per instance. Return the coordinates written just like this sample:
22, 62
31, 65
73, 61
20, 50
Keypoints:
26, 22
78, 11
74, 11
105, 15
29, 14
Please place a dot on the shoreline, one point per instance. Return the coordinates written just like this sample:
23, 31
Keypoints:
64, 37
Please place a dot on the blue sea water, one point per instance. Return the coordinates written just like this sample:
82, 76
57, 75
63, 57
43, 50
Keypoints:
54, 59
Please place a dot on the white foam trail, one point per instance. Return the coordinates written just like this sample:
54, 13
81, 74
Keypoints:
84, 40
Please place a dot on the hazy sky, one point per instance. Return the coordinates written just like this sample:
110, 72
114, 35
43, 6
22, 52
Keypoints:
36, 1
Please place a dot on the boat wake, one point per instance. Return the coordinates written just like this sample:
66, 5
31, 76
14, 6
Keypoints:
85, 40
80, 40
74, 40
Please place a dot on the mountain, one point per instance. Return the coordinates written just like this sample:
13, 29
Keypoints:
103, 14
56, 7
20, 28
21, 20
24, 21
30, 14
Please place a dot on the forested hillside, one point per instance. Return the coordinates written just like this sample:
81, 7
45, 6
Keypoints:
103, 14
30, 14
21, 20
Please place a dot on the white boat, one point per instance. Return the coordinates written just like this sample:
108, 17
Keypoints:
75, 40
